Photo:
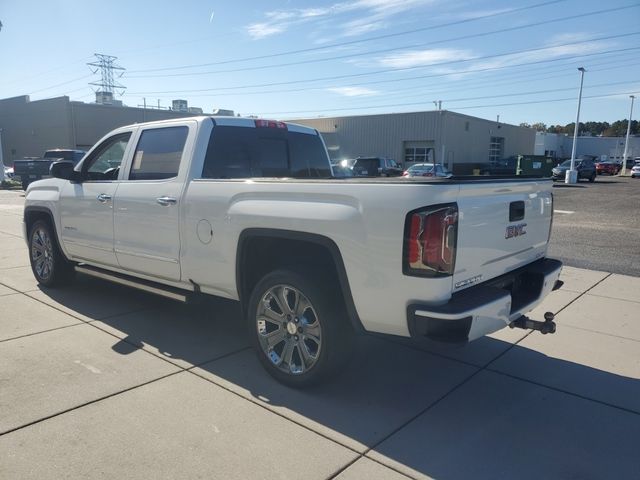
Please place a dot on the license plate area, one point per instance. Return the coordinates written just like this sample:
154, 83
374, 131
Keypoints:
524, 287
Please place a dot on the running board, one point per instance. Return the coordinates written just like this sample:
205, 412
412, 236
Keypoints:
144, 285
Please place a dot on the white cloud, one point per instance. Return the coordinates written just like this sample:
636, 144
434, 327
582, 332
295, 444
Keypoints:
353, 91
262, 30
373, 13
418, 58
556, 49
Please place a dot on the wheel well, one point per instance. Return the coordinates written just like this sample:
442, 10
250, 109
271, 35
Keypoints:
32, 216
262, 252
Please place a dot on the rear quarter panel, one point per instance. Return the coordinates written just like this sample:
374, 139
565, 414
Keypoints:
365, 221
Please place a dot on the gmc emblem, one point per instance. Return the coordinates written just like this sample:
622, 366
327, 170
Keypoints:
515, 230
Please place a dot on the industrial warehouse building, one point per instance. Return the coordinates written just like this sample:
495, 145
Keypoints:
454, 139
31, 127
558, 146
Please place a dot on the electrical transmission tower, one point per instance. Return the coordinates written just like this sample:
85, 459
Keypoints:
107, 66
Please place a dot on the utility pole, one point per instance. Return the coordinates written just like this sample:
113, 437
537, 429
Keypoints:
571, 175
626, 142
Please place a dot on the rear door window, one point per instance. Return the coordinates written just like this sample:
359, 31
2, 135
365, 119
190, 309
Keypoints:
158, 153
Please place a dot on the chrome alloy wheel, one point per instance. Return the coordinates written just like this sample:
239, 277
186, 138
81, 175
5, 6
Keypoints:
289, 332
42, 253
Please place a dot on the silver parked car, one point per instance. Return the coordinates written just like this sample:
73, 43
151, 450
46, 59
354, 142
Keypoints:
427, 170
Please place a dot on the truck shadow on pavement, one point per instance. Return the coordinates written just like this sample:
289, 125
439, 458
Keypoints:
415, 409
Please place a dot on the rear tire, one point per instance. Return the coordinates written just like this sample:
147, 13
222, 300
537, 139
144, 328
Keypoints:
48, 263
25, 184
300, 332
592, 178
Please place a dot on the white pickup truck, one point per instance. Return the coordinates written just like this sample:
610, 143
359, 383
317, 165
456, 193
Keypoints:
249, 210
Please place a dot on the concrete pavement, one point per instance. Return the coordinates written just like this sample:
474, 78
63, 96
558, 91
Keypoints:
100, 381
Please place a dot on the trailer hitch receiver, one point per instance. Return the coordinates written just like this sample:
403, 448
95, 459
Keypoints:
548, 326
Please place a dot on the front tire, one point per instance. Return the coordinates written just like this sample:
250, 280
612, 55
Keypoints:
48, 263
299, 329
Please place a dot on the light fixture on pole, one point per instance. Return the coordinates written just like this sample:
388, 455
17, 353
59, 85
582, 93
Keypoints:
571, 175
626, 142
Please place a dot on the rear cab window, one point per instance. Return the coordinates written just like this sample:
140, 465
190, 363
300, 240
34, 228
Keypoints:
245, 152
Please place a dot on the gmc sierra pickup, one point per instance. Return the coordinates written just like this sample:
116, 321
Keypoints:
249, 210
32, 169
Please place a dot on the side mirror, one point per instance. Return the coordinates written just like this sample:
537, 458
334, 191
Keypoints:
64, 169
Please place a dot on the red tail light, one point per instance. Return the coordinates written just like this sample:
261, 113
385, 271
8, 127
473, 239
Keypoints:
405, 174
270, 124
430, 241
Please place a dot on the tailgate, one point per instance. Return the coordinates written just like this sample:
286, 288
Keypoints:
502, 226
31, 167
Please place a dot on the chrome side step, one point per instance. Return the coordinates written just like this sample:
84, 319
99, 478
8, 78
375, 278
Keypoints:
145, 285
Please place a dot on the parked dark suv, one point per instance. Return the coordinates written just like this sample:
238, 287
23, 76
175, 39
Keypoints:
376, 167
586, 169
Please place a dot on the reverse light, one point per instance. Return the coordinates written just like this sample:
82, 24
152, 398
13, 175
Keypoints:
260, 123
430, 241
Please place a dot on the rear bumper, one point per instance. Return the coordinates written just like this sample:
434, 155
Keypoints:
487, 307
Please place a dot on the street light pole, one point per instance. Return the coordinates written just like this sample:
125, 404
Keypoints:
626, 142
1, 158
571, 176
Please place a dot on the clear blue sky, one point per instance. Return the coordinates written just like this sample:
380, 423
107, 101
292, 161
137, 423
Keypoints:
45, 45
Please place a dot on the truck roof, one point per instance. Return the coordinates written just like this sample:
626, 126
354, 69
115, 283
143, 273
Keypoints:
229, 121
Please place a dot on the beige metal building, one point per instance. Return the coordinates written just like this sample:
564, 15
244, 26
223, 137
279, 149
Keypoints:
423, 136
29, 128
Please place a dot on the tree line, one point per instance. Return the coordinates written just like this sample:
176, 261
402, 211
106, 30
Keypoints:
595, 129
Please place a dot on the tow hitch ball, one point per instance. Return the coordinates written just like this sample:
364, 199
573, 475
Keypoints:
548, 326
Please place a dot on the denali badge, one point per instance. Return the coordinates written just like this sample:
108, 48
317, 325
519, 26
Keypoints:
468, 281
515, 230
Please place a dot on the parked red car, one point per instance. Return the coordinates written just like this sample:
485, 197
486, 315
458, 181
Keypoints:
610, 168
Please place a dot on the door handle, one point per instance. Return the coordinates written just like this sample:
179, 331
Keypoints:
104, 198
166, 201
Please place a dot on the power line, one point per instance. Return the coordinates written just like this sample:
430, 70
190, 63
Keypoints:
428, 102
60, 84
392, 49
374, 82
353, 42
453, 100
566, 99
38, 75
458, 84
510, 79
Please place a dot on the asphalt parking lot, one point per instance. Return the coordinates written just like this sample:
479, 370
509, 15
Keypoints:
597, 225
99, 381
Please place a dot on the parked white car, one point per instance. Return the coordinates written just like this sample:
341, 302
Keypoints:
248, 210
635, 171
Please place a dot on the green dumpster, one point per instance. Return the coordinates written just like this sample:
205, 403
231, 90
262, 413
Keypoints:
537, 165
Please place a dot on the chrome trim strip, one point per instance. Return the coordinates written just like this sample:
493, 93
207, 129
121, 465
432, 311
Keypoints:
145, 255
